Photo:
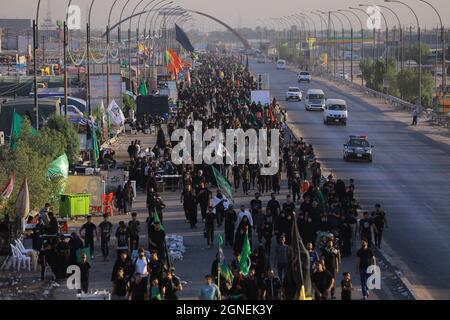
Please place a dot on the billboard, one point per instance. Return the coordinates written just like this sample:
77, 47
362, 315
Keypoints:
92, 185
261, 96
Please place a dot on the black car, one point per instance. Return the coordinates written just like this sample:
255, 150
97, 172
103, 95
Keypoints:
358, 148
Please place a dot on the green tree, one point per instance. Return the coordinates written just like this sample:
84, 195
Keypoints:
414, 53
30, 162
368, 72
408, 83
72, 141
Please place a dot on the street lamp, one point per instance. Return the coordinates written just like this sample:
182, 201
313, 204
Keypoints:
401, 53
362, 38
373, 30
343, 40
130, 83
66, 104
420, 45
35, 47
444, 66
322, 23
329, 24
88, 60
107, 54
387, 35
155, 20
351, 43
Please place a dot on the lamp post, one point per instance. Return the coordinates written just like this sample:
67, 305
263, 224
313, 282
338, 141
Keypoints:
155, 20
107, 54
387, 35
65, 42
343, 41
444, 66
88, 60
329, 24
129, 46
351, 42
322, 23
362, 36
35, 47
420, 45
373, 31
401, 53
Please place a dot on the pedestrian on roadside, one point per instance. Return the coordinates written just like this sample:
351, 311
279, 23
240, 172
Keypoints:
415, 116
84, 273
123, 239
379, 223
134, 227
346, 286
322, 282
281, 257
87, 232
105, 230
364, 259
209, 290
121, 285
210, 220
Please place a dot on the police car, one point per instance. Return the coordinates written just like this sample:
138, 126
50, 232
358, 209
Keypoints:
358, 148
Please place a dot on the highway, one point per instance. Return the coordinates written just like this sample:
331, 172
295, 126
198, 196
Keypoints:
409, 177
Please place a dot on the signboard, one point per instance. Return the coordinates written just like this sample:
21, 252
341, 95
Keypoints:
114, 179
262, 96
92, 185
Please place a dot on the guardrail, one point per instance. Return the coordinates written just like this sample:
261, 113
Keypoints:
436, 119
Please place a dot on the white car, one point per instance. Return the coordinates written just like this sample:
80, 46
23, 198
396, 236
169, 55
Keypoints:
261, 59
281, 64
72, 112
294, 93
343, 75
335, 112
315, 100
304, 76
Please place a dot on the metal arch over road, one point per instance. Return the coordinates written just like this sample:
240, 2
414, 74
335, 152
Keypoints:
237, 34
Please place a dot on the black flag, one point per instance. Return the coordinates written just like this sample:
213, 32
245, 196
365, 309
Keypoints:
183, 39
299, 264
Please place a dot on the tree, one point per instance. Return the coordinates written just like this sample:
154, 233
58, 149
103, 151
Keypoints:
70, 136
413, 53
408, 82
29, 161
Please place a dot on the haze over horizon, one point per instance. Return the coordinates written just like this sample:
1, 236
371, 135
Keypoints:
236, 13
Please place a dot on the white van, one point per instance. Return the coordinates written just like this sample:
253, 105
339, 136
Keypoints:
281, 64
335, 112
315, 100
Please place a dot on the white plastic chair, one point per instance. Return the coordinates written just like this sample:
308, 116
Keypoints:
27, 252
19, 258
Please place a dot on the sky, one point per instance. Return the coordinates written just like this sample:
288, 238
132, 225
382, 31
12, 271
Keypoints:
237, 13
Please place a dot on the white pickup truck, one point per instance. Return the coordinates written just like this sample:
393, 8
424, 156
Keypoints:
335, 112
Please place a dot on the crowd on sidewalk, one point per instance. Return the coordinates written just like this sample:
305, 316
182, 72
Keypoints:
323, 213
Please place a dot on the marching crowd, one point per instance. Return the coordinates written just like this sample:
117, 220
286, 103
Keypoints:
324, 211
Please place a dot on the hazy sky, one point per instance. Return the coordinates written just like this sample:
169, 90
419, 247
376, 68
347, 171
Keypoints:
235, 12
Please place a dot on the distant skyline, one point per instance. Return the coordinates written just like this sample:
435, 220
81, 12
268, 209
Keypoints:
244, 13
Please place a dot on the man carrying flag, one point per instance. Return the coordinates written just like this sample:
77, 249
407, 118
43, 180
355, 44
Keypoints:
298, 274
223, 183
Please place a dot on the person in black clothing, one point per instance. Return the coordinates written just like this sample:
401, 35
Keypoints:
39, 230
44, 255
345, 235
210, 219
84, 270
203, 197
121, 285
271, 287
62, 261
138, 289
330, 259
53, 227
126, 264
89, 230
230, 220
123, 238
346, 287
295, 187
155, 267
365, 228
170, 286
364, 259
251, 286
157, 239
256, 206
273, 206
190, 206
322, 282
105, 230
119, 198
75, 244
379, 223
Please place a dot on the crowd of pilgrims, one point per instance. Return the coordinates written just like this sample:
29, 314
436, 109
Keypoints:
324, 209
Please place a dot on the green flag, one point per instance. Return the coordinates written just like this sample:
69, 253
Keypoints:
143, 88
156, 217
225, 270
244, 264
16, 129
223, 183
95, 149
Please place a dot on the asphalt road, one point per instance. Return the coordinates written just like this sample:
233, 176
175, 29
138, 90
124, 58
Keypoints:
409, 177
